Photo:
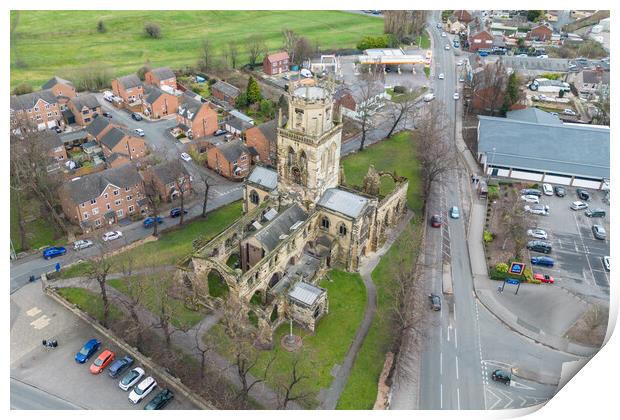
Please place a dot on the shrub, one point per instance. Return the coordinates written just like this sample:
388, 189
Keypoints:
488, 236
501, 267
367, 42
101, 27
22, 89
534, 186
400, 89
152, 30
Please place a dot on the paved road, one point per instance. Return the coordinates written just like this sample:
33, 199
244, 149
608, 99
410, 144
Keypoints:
28, 397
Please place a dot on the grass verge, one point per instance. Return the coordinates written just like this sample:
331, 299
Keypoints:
89, 302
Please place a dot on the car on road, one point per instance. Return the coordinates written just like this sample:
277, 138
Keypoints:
599, 232
438, 25
105, 358
110, 236
106, 114
595, 213
119, 365
186, 157
461, 79
160, 400
531, 191
441, 76
543, 56
131, 378
559, 191
530, 199
219, 133
537, 233
429, 97
544, 261
539, 209
456, 96
443, 34
139, 132
176, 212
502, 376
569, 111
544, 278
578, 205
88, 349
447, 47
82, 244
583, 194
148, 222
539, 246
436, 220
135, 116
143, 389
547, 189
521, 55
606, 262
54, 251
435, 302
57, 129
459, 63
454, 212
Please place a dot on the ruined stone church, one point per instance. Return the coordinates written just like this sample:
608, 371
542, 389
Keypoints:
299, 220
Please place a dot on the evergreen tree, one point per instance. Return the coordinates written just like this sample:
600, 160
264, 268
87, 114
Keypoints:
253, 91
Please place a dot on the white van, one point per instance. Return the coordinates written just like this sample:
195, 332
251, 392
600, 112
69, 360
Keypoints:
108, 96
306, 73
429, 97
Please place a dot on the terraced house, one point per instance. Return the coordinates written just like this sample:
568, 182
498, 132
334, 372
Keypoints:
120, 141
60, 87
82, 109
195, 118
158, 103
40, 107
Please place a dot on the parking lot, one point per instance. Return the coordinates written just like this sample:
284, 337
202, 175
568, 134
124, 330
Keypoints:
578, 255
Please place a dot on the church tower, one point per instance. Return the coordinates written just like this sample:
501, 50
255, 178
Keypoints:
309, 146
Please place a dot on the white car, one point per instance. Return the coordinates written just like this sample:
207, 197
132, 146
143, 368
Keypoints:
131, 378
539, 209
537, 233
186, 157
530, 199
139, 132
522, 55
461, 79
460, 63
456, 96
441, 76
447, 47
606, 262
110, 236
543, 56
578, 205
143, 389
444, 34
429, 97
569, 111
547, 189
82, 244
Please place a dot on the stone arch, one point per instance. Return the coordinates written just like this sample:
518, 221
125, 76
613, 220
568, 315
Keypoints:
290, 157
386, 220
342, 229
253, 318
364, 251
325, 223
274, 314
254, 198
216, 284
258, 297
275, 278
292, 260
234, 261
303, 162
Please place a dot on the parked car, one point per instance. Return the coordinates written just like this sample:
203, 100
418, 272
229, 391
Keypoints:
441, 76
82, 244
119, 365
57, 129
456, 96
544, 261
569, 111
583, 194
502, 376
443, 34
539, 246
521, 55
136, 116
106, 114
131, 378
530, 199
544, 278
148, 222
143, 389
595, 213
105, 358
454, 212
88, 349
429, 97
436, 220
110, 236
160, 400
461, 79
459, 63
220, 133
543, 56
599, 232
531, 191
547, 189
559, 191
54, 251
539, 209
186, 157
435, 302
139, 132
578, 205
176, 212
537, 233
606, 262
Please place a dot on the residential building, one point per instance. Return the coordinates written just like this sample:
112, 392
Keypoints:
263, 139
455, 26
158, 103
119, 140
161, 77
236, 126
129, 88
463, 16
276, 63
169, 179
82, 109
225, 92
99, 127
230, 159
195, 118
480, 41
488, 89
55, 149
60, 87
354, 102
592, 83
103, 198
541, 32
40, 107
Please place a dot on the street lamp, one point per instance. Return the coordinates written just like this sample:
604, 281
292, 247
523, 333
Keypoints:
491, 164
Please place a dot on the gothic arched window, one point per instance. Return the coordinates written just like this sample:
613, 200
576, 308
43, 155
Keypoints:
254, 198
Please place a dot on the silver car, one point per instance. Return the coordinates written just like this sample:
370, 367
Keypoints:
537, 233
599, 232
82, 244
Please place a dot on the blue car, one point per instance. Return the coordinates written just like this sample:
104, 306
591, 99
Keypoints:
176, 212
88, 350
119, 365
53, 251
545, 261
148, 222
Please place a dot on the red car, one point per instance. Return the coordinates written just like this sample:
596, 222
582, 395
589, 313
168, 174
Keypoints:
104, 359
436, 220
544, 278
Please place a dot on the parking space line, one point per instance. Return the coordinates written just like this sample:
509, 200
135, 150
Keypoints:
584, 245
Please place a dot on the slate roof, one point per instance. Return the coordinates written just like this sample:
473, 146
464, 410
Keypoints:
269, 130
266, 178
343, 202
54, 81
305, 293
232, 150
238, 124
167, 172
73, 135
98, 124
569, 149
163, 73
113, 137
533, 115
91, 186
189, 107
51, 139
152, 94
28, 100
130, 81
86, 100
269, 236
226, 88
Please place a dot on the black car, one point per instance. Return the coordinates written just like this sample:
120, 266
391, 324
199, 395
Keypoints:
176, 212
160, 400
136, 116
106, 114
435, 302
531, 191
583, 194
58, 129
559, 191
539, 246
502, 376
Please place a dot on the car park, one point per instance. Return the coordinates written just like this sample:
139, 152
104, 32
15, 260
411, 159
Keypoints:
176, 212
441, 76
537, 233
531, 191
559, 191
606, 262
105, 358
436, 220
110, 236
539, 246
435, 302
544, 278
160, 400
583, 194
88, 349
119, 365
456, 96
454, 212
139, 132
539, 209
547, 189
143, 389
186, 157
82, 244
148, 222
530, 199
502, 376
544, 261
131, 378
578, 205
135, 116
54, 251
599, 232
595, 213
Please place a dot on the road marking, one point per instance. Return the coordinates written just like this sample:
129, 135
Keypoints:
519, 385
457, 367
440, 363
456, 341
40, 322
34, 311
440, 395
458, 398
449, 327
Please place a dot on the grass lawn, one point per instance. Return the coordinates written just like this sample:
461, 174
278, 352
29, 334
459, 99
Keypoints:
171, 246
89, 302
334, 333
48, 43
396, 154
402, 97
424, 41
427, 72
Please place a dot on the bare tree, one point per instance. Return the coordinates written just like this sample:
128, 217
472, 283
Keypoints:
98, 268
164, 308
288, 385
303, 50
513, 220
205, 180
182, 185
205, 54
233, 52
399, 112
602, 113
365, 92
151, 193
402, 23
290, 43
489, 84
203, 349
133, 297
256, 47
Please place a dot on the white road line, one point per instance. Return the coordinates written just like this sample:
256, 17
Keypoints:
458, 398
456, 341
440, 395
440, 363
457, 367
448, 333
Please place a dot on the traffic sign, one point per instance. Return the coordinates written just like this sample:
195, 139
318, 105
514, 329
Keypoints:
516, 268
512, 281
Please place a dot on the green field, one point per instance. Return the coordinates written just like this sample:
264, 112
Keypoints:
48, 43
89, 302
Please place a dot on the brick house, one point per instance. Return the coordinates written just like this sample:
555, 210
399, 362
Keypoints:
129, 88
195, 118
225, 92
167, 178
99, 127
480, 41
352, 102
103, 198
60, 87
237, 126
158, 103
82, 109
263, 138
119, 140
276, 63
40, 107
231, 159
162, 76
540, 32
463, 16
55, 149
487, 95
